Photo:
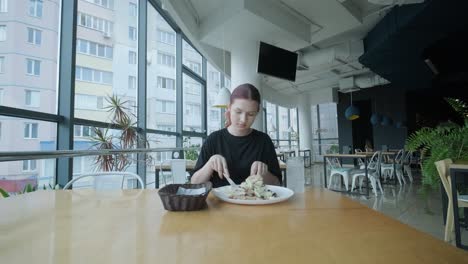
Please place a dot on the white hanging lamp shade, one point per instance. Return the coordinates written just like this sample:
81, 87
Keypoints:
223, 98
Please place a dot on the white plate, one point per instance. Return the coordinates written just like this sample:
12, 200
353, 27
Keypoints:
282, 193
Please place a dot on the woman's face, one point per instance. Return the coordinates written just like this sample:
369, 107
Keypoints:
243, 113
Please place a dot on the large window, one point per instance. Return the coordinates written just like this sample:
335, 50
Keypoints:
93, 75
161, 73
281, 124
192, 104
213, 85
325, 129
191, 58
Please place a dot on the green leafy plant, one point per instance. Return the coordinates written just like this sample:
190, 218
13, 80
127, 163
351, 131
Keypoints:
333, 149
447, 140
29, 188
123, 120
190, 152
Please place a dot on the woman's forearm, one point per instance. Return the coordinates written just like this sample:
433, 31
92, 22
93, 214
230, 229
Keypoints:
202, 175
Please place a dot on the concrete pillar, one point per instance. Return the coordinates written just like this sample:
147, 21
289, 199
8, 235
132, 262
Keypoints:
244, 57
305, 123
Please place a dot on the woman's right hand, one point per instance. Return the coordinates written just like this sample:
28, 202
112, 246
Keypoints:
218, 163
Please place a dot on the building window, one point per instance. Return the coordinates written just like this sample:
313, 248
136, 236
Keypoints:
89, 102
2, 64
131, 82
3, 33
34, 36
94, 49
32, 98
194, 66
190, 88
132, 57
35, 8
84, 131
96, 23
29, 165
33, 67
30, 130
166, 83
3, 6
104, 3
132, 33
165, 106
1, 96
166, 59
166, 37
132, 8
92, 75
193, 109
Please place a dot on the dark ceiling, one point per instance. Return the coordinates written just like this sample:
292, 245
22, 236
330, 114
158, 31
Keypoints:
436, 30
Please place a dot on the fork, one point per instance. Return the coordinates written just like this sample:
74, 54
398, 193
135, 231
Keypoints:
231, 182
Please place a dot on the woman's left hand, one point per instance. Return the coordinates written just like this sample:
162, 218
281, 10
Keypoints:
258, 167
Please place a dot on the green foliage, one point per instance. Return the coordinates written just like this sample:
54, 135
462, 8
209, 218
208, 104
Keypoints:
122, 120
447, 140
4, 193
333, 149
191, 152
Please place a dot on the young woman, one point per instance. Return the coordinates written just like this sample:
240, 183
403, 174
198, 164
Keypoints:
238, 151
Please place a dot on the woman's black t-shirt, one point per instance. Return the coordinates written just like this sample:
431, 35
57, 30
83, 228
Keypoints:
240, 153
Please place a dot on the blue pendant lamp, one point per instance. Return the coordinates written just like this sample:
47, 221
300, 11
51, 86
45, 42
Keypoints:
386, 121
352, 112
375, 119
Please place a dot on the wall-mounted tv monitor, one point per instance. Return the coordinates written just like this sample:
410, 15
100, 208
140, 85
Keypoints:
277, 62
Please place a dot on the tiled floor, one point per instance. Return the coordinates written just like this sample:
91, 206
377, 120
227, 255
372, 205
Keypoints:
405, 203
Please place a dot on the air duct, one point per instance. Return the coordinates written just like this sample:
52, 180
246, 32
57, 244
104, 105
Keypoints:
332, 56
356, 83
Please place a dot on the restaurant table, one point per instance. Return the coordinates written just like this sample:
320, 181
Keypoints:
190, 165
360, 155
131, 226
457, 170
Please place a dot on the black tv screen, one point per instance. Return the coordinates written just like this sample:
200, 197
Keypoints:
277, 62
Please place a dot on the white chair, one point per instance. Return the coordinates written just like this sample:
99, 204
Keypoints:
337, 169
105, 180
178, 170
388, 167
372, 174
406, 163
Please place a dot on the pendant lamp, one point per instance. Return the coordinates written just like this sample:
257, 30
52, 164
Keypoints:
352, 112
386, 121
223, 99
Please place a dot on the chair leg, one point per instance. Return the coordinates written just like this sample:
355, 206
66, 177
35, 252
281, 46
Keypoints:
345, 180
409, 172
449, 223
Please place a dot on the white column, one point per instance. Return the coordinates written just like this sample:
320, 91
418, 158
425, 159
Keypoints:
305, 123
244, 57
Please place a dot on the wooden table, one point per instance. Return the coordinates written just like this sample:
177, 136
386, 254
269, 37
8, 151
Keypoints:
190, 166
131, 226
360, 155
457, 169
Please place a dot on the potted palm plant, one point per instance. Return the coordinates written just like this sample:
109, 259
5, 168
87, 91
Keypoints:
447, 140
123, 120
